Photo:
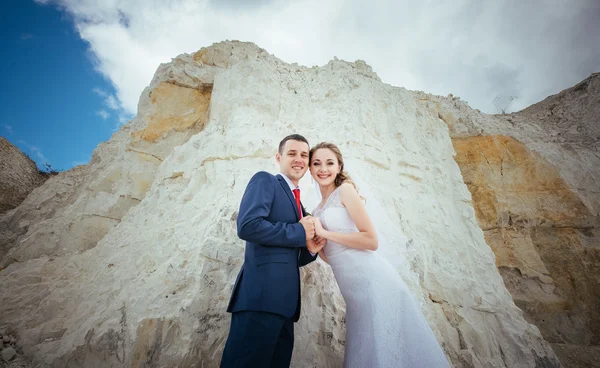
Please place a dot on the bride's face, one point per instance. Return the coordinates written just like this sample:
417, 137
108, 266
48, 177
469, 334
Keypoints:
324, 166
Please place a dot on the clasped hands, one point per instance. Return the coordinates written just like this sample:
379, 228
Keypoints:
314, 233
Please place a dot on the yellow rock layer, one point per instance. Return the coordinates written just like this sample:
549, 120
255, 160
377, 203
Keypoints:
543, 236
178, 109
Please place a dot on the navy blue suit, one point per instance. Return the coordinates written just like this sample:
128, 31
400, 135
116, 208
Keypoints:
266, 297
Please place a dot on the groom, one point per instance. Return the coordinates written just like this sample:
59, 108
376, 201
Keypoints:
265, 301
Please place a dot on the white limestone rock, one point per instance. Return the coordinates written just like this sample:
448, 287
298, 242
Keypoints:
137, 264
8, 353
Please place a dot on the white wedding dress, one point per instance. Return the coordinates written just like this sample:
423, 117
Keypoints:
384, 325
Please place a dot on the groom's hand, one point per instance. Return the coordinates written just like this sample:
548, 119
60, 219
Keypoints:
309, 226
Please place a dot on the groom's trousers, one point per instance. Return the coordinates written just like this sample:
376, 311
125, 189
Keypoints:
259, 339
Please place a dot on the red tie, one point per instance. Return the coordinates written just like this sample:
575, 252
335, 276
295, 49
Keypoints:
297, 196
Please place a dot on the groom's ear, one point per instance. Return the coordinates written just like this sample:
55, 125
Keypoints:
278, 157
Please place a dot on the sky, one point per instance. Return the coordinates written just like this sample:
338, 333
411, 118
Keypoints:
74, 69
53, 100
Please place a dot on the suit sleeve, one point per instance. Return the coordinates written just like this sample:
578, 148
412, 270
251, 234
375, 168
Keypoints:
252, 223
305, 258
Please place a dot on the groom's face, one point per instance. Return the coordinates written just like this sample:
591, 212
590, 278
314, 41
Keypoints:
293, 160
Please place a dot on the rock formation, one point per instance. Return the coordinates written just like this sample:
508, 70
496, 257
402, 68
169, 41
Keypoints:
130, 260
19, 175
534, 178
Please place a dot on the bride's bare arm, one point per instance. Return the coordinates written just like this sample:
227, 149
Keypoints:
323, 256
366, 237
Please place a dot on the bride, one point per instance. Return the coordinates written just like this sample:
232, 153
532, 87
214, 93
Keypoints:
385, 327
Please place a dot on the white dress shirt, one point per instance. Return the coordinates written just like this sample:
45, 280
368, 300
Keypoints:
287, 180
292, 187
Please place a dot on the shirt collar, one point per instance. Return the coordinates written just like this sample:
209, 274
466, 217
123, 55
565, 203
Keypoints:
287, 180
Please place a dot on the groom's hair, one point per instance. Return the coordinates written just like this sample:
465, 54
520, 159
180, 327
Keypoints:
294, 137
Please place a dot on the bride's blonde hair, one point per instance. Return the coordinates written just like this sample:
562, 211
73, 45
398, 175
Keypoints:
343, 176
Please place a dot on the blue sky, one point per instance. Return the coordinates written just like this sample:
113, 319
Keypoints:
74, 69
52, 99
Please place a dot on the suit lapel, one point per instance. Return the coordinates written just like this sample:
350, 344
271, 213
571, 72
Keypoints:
286, 189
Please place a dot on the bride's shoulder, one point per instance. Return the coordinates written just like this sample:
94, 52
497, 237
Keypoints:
346, 186
347, 190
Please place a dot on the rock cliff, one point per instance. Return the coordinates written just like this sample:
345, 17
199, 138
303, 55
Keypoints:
534, 176
130, 260
19, 175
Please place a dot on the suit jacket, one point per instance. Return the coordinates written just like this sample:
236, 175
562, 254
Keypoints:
269, 280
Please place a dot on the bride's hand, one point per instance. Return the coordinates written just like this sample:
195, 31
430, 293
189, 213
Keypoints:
319, 230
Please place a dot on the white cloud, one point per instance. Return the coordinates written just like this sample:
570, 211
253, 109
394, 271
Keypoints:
109, 100
34, 152
112, 104
473, 49
103, 114
100, 92
8, 128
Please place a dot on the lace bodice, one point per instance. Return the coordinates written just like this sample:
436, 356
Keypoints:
335, 217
